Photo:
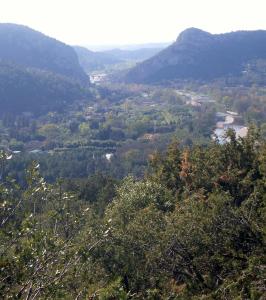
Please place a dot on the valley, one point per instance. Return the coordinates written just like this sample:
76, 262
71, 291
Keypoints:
132, 173
127, 122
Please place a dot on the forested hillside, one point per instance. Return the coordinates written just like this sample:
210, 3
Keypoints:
193, 228
38, 74
36, 91
199, 55
26, 47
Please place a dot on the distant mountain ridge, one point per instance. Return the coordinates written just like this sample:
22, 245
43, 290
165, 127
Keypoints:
199, 55
136, 54
99, 60
26, 47
103, 48
90, 60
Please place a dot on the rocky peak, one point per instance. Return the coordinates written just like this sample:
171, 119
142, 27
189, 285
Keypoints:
193, 35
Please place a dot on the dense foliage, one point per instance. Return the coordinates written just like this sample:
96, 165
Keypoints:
194, 228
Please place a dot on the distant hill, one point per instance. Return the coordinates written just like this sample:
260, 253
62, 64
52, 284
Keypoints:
136, 54
91, 61
199, 55
36, 91
26, 47
102, 48
99, 60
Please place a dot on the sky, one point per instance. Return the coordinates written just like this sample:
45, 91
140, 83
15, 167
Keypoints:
120, 22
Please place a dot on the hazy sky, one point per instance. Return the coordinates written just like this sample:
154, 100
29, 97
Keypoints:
131, 21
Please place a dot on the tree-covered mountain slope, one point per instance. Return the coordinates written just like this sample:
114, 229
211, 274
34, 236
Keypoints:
26, 47
36, 91
199, 55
